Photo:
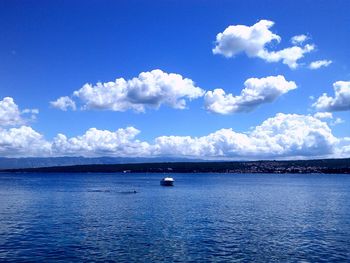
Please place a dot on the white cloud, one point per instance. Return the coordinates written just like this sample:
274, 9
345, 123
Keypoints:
299, 39
343, 150
337, 121
102, 143
252, 40
320, 63
282, 136
9, 112
329, 117
148, 90
341, 100
32, 111
285, 135
23, 141
288, 56
11, 115
323, 115
64, 103
248, 39
256, 92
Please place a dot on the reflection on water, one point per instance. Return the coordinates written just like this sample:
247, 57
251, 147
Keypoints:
205, 217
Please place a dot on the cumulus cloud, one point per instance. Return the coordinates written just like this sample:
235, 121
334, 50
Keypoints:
63, 103
288, 56
344, 148
148, 90
284, 135
249, 39
337, 121
256, 92
323, 115
102, 143
253, 41
11, 115
299, 39
320, 63
281, 136
340, 101
22, 142
9, 112
26, 142
328, 116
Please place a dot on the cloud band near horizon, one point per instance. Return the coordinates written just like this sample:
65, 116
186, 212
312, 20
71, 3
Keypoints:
281, 136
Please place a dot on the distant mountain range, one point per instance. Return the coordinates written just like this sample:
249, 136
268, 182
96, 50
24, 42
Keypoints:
140, 165
17, 163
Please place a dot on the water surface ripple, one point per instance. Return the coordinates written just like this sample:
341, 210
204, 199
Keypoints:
204, 218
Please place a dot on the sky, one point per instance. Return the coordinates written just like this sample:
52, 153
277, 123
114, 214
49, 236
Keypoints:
203, 79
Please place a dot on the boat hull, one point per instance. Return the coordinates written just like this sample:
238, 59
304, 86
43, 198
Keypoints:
167, 183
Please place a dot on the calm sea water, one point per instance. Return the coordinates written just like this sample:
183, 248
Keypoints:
204, 218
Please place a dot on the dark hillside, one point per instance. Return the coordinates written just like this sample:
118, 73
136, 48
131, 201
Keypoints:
299, 166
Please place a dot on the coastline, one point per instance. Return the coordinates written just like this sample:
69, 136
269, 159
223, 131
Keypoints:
322, 166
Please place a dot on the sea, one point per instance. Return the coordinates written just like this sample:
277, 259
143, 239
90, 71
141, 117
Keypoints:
202, 218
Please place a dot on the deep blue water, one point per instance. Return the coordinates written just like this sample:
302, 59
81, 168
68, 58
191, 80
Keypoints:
204, 218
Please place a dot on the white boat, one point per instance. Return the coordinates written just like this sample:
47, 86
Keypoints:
167, 181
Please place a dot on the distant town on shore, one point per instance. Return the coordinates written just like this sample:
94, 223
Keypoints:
327, 166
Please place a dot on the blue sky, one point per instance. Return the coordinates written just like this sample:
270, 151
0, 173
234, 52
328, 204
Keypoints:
50, 49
